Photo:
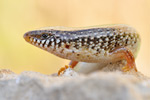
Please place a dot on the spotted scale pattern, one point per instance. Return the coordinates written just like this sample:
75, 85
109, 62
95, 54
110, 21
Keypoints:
94, 42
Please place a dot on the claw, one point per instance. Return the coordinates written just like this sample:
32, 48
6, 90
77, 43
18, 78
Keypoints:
71, 65
62, 69
125, 69
129, 66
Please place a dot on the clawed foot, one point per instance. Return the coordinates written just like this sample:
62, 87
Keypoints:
128, 56
62, 69
125, 69
71, 65
129, 67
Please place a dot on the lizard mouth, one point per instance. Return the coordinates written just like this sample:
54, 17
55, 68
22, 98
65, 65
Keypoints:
32, 40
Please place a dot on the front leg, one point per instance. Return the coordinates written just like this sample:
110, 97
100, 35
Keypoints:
72, 64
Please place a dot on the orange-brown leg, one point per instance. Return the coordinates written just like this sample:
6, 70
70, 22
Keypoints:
72, 64
128, 56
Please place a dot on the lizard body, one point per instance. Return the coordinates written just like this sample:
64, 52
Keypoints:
101, 44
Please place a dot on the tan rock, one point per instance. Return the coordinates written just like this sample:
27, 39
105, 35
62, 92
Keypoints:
98, 85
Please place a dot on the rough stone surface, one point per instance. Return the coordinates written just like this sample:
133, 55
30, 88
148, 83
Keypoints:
95, 86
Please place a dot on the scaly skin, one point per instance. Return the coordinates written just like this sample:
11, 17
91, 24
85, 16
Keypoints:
101, 44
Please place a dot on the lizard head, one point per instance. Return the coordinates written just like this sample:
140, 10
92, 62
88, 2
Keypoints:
44, 39
57, 42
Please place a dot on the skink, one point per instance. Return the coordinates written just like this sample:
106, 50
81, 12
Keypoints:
99, 44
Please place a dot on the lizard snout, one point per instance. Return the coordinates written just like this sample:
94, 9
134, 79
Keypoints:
26, 36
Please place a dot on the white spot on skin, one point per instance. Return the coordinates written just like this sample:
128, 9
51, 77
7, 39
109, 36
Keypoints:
45, 45
124, 39
67, 43
111, 34
37, 44
52, 39
65, 38
99, 44
106, 39
34, 40
56, 46
114, 37
38, 41
121, 30
62, 43
89, 48
92, 38
126, 33
41, 45
47, 42
100, 40
90, 31
104, 35
128, 42
121, 37
132, 42
98, 47
91, 42
95, 48
132, 35
85, 39
129, 38
58, 40
120, 44
80, 40
95, 33
81, 32
112, 41
105, 44
52, 47
43, 41
80, 44
116, 33
98, 36
53, 44
118, 41
85, 43
96, 41
121, 33
75, 36
108, 32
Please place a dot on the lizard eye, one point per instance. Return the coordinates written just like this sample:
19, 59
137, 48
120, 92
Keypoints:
44, 35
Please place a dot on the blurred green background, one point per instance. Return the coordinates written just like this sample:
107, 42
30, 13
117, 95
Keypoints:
20, 16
